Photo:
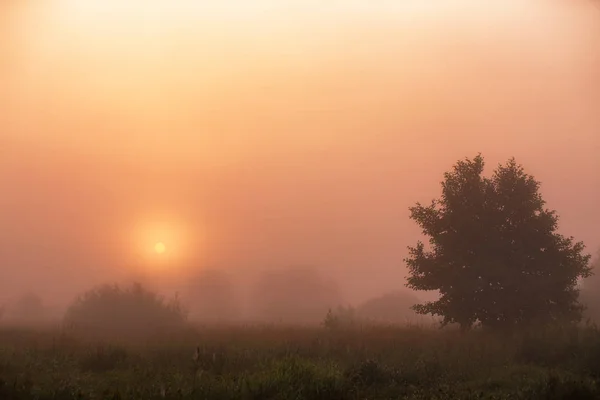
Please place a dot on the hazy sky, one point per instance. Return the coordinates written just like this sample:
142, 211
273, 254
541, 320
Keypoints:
257, 134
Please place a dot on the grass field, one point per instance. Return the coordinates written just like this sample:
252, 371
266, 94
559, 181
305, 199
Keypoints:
303, 363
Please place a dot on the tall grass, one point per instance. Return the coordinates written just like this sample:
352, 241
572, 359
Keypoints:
274, 362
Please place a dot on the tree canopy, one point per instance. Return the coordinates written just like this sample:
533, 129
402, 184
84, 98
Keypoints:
494, 252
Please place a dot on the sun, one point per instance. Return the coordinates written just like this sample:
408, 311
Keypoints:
160, 248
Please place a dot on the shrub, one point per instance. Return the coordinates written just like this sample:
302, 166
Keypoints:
112, 311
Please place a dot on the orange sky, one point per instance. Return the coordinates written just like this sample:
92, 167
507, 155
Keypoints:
265, 133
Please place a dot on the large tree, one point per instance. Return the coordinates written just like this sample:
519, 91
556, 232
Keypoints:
495, 255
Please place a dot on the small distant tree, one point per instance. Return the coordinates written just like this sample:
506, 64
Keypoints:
495, 255
134, 311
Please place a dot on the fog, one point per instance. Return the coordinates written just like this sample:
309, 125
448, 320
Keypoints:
258, 136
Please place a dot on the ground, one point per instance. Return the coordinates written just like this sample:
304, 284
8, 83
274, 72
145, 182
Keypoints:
303, 363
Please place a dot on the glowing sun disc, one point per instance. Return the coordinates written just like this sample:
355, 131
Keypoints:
160, 248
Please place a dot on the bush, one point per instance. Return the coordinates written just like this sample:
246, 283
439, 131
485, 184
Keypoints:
112, 311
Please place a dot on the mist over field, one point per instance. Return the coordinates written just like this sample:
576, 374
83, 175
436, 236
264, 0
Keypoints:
299, 200
274, 148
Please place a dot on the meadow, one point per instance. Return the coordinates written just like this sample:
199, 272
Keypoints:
279, 362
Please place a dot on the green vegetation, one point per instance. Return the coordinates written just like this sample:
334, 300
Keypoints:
495, 255
374, 362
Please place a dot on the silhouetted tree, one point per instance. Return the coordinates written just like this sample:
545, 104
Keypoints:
495, 256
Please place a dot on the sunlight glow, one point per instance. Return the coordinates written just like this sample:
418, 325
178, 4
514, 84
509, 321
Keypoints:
160, 248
